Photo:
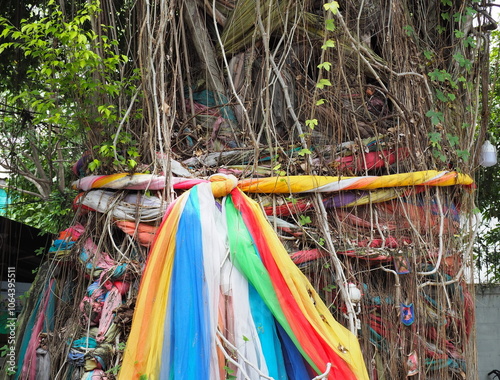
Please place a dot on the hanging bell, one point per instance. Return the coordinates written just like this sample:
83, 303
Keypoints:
488, 154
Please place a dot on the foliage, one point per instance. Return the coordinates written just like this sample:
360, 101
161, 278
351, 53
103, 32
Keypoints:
487, 248
69, 102
50, 216
487, 251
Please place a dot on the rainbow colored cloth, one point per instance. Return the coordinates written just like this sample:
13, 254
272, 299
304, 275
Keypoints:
221, 297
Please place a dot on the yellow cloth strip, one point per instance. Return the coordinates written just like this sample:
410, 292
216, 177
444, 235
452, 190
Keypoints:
144, 345
101, 182
377, 196
298, 184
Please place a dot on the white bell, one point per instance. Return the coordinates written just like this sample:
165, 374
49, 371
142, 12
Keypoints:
488, 154
354, 293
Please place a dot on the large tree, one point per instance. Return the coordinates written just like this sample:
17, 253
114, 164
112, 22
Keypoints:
274, 88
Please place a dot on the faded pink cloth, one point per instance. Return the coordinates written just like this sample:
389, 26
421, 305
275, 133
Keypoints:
97, 258
112, 301
29, 365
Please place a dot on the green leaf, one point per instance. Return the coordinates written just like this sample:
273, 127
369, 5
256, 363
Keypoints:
330, 25
462, 61
312, 123
439, 155
470, 42
441, 96
436, 116
322, 83
409, 30
452, 139
445, 16
132, 152
329, 287
439, 75
328, 44
459, 18
131, 163
469, 11
304, 219
228, 370
463, 154
325, 65
94, 165
332, 6
434, 138
320, 102
303, 152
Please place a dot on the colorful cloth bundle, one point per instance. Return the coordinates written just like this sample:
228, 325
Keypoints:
121, 181
283, 185
372, 160
144, 233
131, 207
309, 184
201, 310
126, 181
41, 319
342, 199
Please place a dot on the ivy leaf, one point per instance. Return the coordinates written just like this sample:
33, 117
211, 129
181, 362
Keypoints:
452, 139
436, 117
470, 42
409, 30
330, 25
328, 44
441, 96
132, 163
312, 123
434, 138
463, 154
322, 83
332, 7
439, 75
445, 16
303, 220
94, 165
303, 152
325, 65
469, 11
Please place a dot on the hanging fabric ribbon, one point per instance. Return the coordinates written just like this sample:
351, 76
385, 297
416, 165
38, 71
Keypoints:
276, 314
286, 184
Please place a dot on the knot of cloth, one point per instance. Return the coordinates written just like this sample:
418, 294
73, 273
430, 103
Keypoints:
222, 184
